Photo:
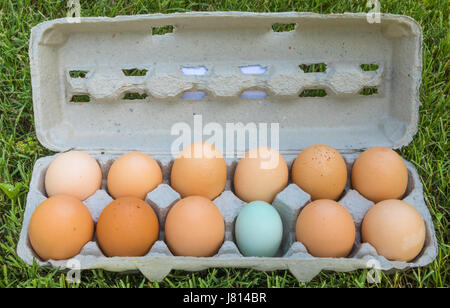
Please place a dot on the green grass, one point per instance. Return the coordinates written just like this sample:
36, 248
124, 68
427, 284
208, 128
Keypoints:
20, 148
313, 93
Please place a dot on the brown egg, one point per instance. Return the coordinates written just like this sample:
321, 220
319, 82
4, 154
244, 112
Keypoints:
73, 173
134, 174
127, 227
260, 175
396, 230
379, 174
320, 170
199, 170
194, 227
60, 227
326, 229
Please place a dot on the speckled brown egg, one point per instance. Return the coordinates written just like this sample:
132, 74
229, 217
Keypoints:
260, 175
395, 229
320, 170
73, 173
326, 229
59, 228
379, 174
199, 170
134, 174
194, 227
127, 227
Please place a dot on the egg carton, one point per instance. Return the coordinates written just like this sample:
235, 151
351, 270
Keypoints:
108, 86
292, 255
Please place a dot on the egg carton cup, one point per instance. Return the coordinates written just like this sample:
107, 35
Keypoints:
108, 86
292, 255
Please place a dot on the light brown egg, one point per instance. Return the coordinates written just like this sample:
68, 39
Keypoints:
320, 170
60, 227
73, 173
199, 170
326, 229
127, 227
395, 229
194, 227
260, 175
379, 174
134, 174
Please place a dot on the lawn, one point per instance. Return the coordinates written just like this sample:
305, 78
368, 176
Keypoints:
20, 149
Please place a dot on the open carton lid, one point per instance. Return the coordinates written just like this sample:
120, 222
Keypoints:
120, 84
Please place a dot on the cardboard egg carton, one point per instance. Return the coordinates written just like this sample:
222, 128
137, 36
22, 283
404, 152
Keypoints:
108, 86
292, 255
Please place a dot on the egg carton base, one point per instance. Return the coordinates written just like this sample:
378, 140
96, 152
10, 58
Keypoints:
292, 255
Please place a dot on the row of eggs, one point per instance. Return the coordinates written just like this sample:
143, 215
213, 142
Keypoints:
62, 225
200, 170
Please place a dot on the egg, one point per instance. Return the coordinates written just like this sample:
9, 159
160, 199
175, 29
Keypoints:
258, 230
320, 170
73, 173
260, 175
127, 227
133, 174
59, 228
199, 170
379, 173
194, 227
395, 229
326, 229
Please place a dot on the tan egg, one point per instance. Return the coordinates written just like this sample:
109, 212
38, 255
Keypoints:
260, 175
60, 227
194, 227
395, 229
134, 174
379, 174
199, 170
326, 229
320, 170
73, 173
127, 227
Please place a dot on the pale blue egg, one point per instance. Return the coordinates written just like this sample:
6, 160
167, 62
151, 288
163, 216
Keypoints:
258, 230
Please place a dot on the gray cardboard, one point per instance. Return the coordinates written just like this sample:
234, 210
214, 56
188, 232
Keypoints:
223, 43
225, 47
97, 202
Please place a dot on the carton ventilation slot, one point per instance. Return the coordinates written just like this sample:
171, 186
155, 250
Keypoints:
253, 81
